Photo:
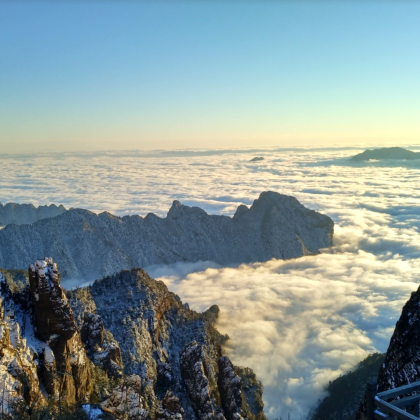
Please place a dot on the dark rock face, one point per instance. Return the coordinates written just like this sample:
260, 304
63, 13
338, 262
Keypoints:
170, 408
230, 390
102, 349
169, 347
193, 371
387, 153
126, 400
19, 214
90, 246
66, 370
19, 380
402, 360
153, 357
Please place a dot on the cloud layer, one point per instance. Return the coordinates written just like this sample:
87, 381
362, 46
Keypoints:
298, 323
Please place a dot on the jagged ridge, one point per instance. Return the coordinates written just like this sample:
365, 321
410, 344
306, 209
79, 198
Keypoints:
89, 246
126, 342
19, 214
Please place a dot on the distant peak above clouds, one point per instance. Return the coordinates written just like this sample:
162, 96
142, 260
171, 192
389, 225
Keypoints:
387, 153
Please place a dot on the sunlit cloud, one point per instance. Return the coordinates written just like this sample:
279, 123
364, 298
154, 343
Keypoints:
297, 323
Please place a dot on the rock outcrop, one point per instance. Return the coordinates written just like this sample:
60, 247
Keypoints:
194, 373
175, 353
170, 408
126, 400
19, 382
125, 343
89, 246
19, 214
402, 359
66, 370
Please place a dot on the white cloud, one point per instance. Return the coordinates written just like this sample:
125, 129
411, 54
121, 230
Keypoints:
298, 323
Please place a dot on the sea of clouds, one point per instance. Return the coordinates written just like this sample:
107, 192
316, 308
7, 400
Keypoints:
298, 323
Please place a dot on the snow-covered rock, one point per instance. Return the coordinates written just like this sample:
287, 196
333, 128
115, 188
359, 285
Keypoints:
168, 346
19, 382
89, 246
140, 354
67, 369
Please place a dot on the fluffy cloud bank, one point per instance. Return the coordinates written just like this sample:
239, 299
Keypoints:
297, 323
301, 323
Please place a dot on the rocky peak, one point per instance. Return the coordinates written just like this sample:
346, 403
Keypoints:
65, 370
53, 315
173, 358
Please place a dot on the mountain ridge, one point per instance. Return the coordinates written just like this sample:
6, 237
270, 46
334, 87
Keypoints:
386, 153
88, 246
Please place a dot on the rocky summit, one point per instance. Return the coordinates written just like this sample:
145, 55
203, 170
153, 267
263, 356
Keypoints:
126, 344
89, 246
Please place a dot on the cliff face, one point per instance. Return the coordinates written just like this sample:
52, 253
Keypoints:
19, 214
19, 381
66, 371
89, 246
402, 359
172, 353
126, 342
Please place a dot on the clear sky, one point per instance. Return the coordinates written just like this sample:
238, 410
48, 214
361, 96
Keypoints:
169, 74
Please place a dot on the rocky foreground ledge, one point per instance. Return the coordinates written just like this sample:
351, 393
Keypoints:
126, 343
89, 246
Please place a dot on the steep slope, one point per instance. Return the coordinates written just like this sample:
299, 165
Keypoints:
346, 392
89, 246
168, 348
402, 360
19, 214
125, 343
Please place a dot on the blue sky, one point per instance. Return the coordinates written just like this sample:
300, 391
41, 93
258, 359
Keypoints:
111, 75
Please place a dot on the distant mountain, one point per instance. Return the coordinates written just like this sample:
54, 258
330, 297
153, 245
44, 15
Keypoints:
256, 159
20, 214
387, 153
347, 391
89, 246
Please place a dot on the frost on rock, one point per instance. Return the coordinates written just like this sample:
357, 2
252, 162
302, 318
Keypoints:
65, 369
102, 349
193, 371
170, 408
172, 349
154, 357
402, 361
18, 372
230, 390
127, 400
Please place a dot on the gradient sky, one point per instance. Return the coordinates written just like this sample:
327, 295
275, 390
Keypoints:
144, 75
